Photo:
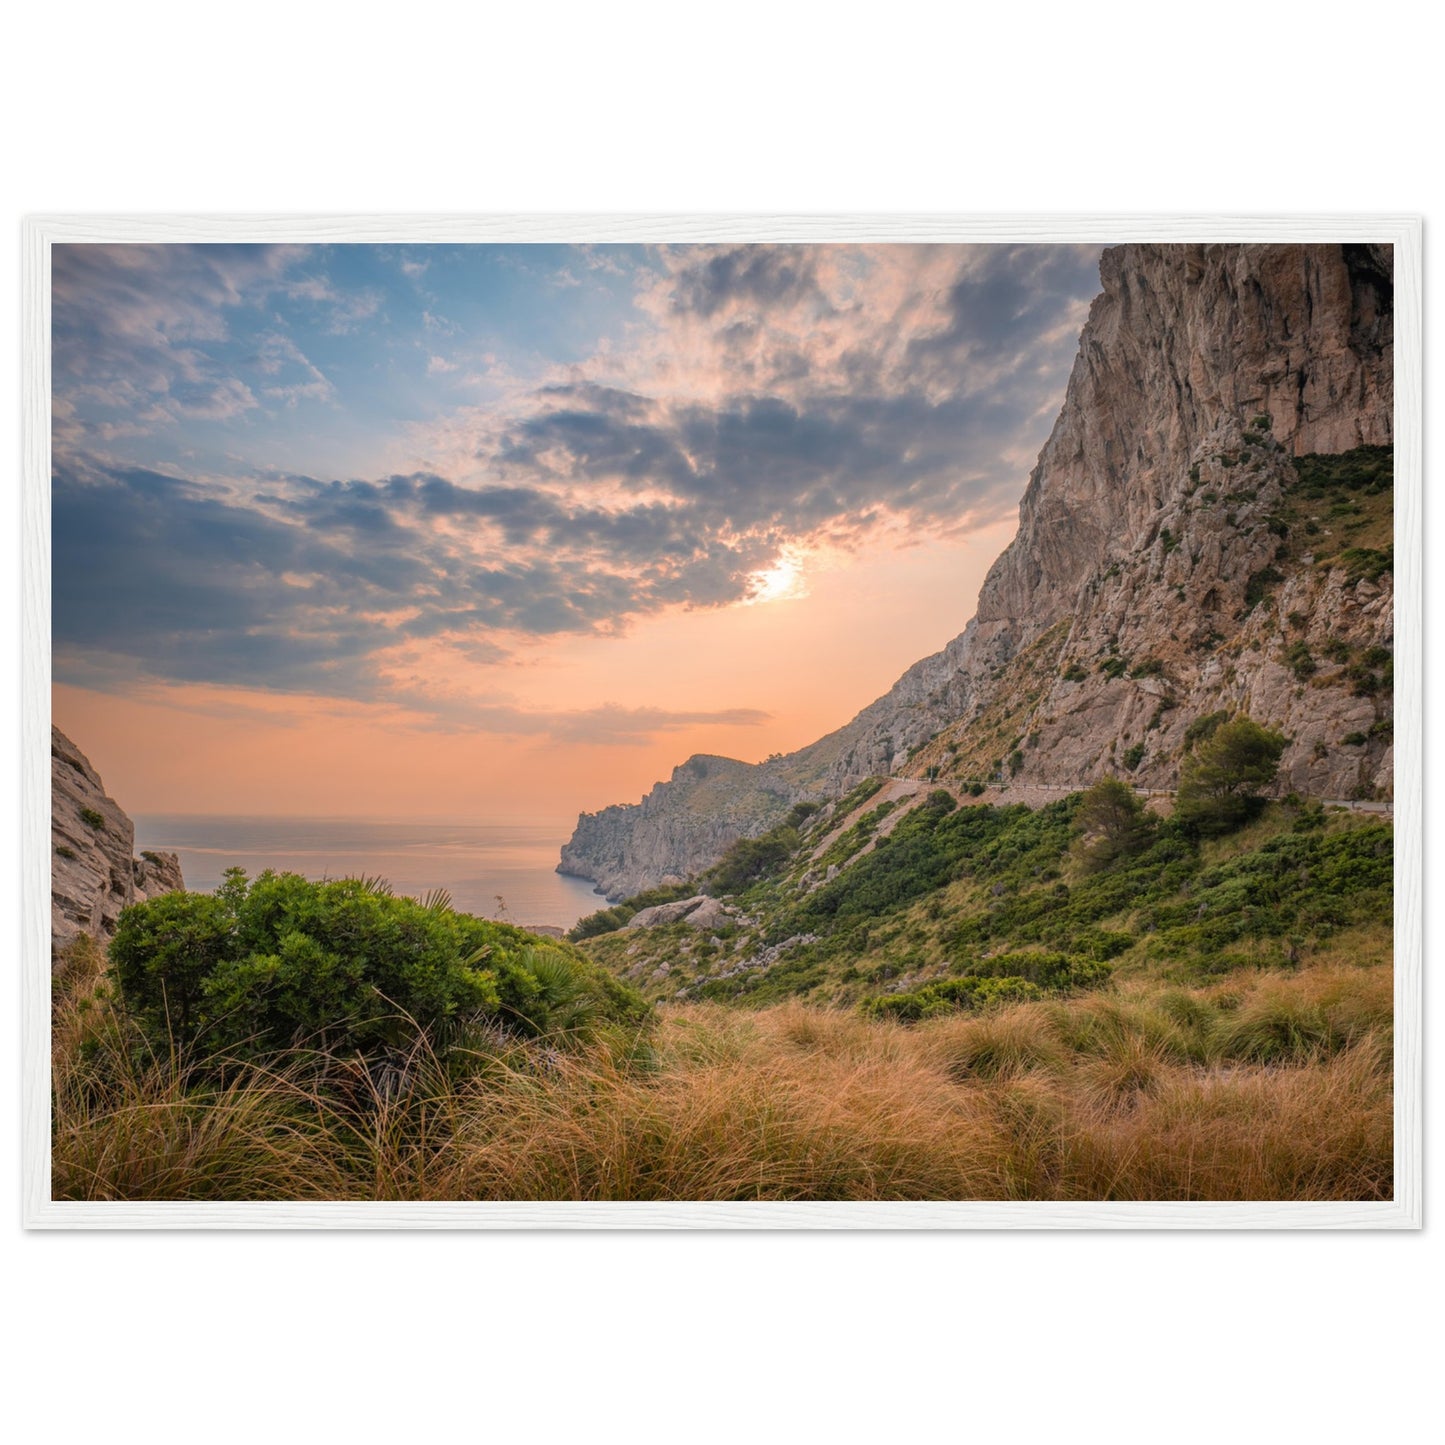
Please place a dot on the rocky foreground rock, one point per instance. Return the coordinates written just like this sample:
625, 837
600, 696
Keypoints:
1161, 570
94, 872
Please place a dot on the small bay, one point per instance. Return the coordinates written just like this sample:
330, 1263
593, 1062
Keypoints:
503, 870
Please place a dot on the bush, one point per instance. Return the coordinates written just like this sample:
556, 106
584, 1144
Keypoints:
1260, 585
1300, 661
948, 996
343, 966
92, 819
1366, 563
1220, 781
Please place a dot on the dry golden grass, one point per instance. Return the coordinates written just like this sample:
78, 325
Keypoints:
1262, 1086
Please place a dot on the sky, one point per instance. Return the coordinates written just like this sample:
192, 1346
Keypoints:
505, 532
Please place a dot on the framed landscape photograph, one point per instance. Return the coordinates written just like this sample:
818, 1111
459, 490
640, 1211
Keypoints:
696, 722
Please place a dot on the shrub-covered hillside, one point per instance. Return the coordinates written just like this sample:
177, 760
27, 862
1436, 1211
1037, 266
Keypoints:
963, 904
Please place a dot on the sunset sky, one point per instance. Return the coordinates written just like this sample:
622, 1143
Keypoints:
503, 533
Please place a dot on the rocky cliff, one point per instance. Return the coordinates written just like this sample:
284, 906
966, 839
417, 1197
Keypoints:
93, 870
1208, 528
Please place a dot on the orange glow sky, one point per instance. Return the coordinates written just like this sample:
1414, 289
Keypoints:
507, 533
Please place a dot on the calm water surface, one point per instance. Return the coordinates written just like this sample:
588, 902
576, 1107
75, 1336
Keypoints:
494, 870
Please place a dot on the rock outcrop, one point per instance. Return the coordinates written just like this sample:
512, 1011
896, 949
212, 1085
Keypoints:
1164, 568
700, 912
94, 872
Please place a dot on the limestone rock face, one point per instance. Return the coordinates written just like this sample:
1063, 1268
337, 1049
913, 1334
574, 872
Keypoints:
1152, 525
94, 873
700, 912
1148, 583
679, 828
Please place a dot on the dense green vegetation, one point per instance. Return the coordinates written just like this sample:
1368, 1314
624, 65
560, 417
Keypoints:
344, 967
1058, 898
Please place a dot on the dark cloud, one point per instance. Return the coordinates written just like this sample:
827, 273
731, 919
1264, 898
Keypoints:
763, 462
1013, 294
595, 504
758, 276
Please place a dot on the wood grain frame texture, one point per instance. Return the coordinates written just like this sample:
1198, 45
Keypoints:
39, 1211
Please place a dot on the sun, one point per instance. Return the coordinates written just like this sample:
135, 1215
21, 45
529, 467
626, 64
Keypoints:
783, 580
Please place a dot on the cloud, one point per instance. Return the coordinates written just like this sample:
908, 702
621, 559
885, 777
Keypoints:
763, 402
758, 279
344, 311
144, 337
610, 725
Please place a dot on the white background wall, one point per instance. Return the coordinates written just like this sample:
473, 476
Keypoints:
1253, 108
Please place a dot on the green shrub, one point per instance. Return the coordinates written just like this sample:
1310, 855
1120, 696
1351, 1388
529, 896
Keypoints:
1366, 563
343, 966
1300, 661
92, 819
64, 851
1052, 972
1133, 756
1260, 585
949, 996
1364, 469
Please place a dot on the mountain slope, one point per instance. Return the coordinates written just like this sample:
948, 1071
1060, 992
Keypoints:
1207, 529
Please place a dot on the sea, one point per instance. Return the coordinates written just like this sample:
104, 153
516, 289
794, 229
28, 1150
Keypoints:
505, 871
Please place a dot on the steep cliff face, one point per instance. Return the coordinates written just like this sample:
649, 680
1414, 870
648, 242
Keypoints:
679, 828
1182, 549
93, 870
1169, 561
